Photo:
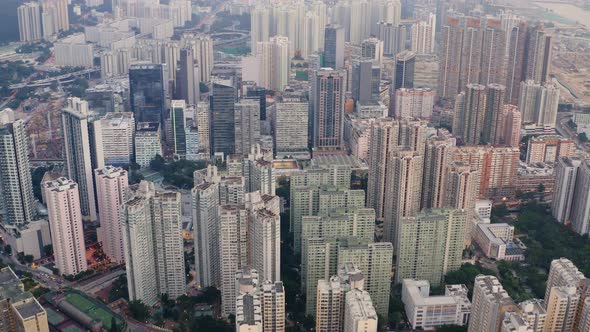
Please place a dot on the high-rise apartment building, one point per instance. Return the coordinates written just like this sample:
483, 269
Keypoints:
29, 21
247, 122
111, 190
430, 245
511, 126
469, 116
539, 103
274, 62
146, 92
65, 220
327, 103
359, 312
154, 255
260, 18
15, 176
450, 58
202, 49
561, 304
75, 119
222, 136
205, 201
264, 238
549, 148
203, 127
566, 170
393, 37
260, 304
516, 66
414, 103
563, 273
580, 210
493, 53
494, 114
117, 133
423, 33
291, 130
489, 305
147, 143
539, 47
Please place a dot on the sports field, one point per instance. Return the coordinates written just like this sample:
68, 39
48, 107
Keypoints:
93, 309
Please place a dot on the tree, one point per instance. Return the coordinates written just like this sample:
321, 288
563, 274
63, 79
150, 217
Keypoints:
138, 310
541, 188
499, 212
114, 327
48, 250
583, 137
29, 259
8, 249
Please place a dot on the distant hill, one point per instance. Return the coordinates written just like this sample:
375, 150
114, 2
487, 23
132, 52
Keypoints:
8, 21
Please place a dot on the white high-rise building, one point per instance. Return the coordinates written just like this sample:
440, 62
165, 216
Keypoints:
147, 143
260, 25
154, 253
29, 21
247, 125
16, 187
414, 103
65, 221
111, 190
202, 120
490, 302
117, 132
423, 32
274, 62
79, 163
202, 47
538, 103
205, 200
359, 312
580, 210
265, 238
291, 130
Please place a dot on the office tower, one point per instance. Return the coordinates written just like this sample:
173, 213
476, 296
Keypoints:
202, 50
223, 98
29, 21
493, 118
538, 103
393, 37
258, 93
414, 103
436, 160
511, 126
326, 256
178, 126
562, 305
327, 98
75, 127
566, 170
469, 115
233, 251
334, 47
366, 78
423, 33
117, 132
259, 32
154, 255
265, 243
16, 187
274, 62
203, 123
147, 143
430, 245
146, 92
65, 220
403, 191
291, 130
580, 211
516, 66
111, 189
493, 53
372, 48
359, 313
538, 55
450, 57
403, 76
247, 122
489, 305
20, 310
188, 78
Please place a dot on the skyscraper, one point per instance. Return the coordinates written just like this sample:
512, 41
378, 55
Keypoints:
403, 75
188, 78
511, 126
430, 245
489, 304
469, 116
359, 312
16, 187
423, 33
178, 125
372, 48
111, 189
516, 67
247, 122
222, 100
366, 77
202, 49
65, 220
327, 97
146, 92
494, 114
580, 210
29, 21
204, 202
77, 144
414, 103
154, 254
334, 47
260, 18
450, 57
493, 68
538, 55
393, 37
265, 237
147, 143
274, 62
566, 170
203, 126
436, 160
291, 129
539, 103
471, 53
329, 303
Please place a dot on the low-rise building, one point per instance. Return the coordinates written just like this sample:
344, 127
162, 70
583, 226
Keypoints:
497, 242
427, 312
19, 310
547, 148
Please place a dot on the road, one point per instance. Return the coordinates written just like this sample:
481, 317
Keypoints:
564, 130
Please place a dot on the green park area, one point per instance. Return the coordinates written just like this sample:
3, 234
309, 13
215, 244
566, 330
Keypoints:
93, 309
